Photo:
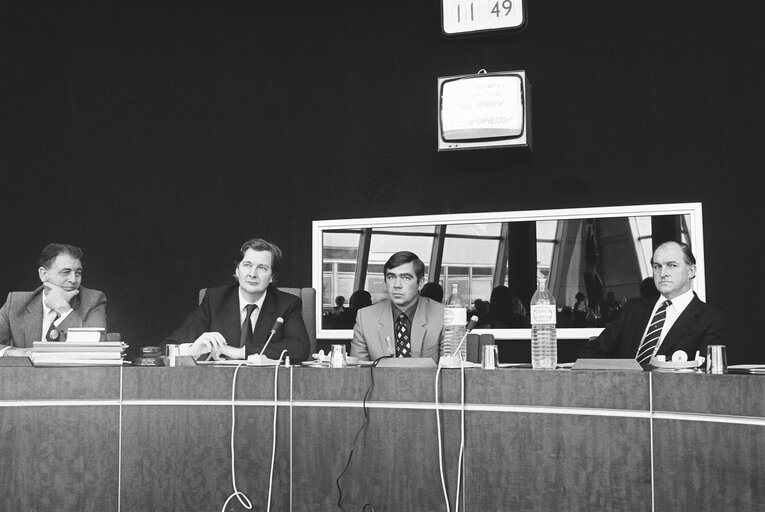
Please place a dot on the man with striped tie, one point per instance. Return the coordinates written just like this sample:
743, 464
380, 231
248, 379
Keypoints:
677, 321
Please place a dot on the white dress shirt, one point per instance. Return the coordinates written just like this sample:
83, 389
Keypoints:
48, 316
243, 302
679, 304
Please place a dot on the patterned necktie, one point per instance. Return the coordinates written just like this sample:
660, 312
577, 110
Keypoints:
246, 337
645, 351
53, 334
403, 345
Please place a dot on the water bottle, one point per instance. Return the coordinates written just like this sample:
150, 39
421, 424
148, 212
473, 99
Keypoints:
455, 322
544, 339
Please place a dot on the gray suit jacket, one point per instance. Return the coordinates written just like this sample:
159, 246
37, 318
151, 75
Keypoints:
21, 316
375, 323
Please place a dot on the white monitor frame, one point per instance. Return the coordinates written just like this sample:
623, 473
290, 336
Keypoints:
695, 227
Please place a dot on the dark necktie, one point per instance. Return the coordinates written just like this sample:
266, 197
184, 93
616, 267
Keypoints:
246, 337
53, 334
645, 351
403, 345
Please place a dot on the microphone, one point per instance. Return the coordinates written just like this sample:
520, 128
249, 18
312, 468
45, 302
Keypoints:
277, 325
453, 360
471, 324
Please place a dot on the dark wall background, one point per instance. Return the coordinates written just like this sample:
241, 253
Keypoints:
159, 136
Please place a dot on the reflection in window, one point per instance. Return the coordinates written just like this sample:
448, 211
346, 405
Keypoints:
469, 259
596, 257
340, 252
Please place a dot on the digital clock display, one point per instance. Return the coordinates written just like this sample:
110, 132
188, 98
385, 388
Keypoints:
465, 16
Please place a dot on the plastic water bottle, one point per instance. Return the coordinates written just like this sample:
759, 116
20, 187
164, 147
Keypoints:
544, 338
455, 322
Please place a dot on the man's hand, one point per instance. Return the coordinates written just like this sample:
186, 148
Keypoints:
18, 352
57, 299
207, 342
228, 352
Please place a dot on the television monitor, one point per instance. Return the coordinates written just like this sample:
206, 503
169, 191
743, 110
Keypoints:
484, 110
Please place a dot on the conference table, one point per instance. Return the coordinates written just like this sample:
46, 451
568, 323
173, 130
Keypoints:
153, 438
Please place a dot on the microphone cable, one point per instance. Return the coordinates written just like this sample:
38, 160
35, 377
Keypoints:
362, 429
240, 496
462, 437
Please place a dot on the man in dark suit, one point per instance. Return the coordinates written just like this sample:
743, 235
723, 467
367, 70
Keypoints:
405, 324
235, 321
679, 320
49, 311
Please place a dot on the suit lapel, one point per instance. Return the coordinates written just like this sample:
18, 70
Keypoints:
637, 329
232, 326
419, 328
266, 319
385, 328
33, 319
684, 322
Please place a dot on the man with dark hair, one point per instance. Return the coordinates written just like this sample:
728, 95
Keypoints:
405, 324
49, 311
235, 321
677, 321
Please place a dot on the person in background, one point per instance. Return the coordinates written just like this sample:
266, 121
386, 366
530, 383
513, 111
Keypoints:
610, 308
347, 319
339, 305
648, 288
235, 321
481, 310
58, 304
505, 311
580, 310
677, 321
433, 291
405, 324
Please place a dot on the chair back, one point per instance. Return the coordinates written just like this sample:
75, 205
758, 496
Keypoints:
308, 296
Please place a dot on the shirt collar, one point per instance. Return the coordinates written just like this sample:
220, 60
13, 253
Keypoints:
409, 312
243, 302
46, 309
680, 302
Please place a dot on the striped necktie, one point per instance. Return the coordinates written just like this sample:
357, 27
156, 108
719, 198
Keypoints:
645, 352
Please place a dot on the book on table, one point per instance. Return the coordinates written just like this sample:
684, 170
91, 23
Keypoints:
50, 353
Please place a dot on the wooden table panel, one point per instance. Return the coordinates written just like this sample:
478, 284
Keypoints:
543, 462
179, 457
70, 383
394, 465
203, 383
737, 395
558, 388
709, 466
59, 458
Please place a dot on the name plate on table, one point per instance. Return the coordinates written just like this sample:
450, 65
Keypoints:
406, 362
607, 364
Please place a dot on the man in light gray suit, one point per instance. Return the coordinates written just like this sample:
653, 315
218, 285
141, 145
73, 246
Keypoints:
405, 324
59, 304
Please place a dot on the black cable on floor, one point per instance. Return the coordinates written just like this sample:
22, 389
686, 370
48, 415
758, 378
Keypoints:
362, 429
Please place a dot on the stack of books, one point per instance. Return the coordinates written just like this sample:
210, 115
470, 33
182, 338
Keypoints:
83, 347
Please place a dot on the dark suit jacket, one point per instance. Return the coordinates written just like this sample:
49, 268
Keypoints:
699, 325
21, 316
219, 312
375, 323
